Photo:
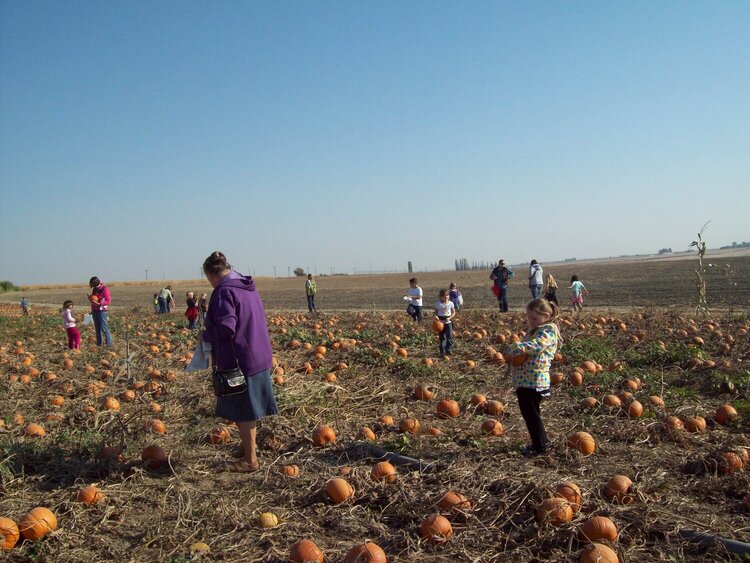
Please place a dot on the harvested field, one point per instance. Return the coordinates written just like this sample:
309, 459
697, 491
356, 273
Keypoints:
642, 283
192, 509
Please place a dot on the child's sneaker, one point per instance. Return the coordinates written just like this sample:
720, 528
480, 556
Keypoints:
530, 451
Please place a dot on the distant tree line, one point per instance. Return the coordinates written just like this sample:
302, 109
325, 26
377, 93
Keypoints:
665, 251
6, 286
736, 245
463, 264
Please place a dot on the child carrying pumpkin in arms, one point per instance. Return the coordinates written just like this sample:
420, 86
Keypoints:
531, 375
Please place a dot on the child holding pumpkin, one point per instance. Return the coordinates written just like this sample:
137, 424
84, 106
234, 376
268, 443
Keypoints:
531, 374
445, 310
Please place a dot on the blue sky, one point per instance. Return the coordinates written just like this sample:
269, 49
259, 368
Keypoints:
361, 135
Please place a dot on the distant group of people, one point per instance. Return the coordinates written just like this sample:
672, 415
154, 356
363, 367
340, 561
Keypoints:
196, 307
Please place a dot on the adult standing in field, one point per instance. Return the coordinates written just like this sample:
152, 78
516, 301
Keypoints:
237, 329
25, 306
536, 279
100, 301
165, 300
311, 289
500, 275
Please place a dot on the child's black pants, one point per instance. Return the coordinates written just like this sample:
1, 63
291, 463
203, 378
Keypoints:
529, 401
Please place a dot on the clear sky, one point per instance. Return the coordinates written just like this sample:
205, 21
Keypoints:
360, 135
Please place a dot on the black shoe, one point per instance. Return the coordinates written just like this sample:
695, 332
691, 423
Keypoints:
531, 451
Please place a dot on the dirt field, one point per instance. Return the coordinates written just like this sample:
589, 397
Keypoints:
642, 283
192, 509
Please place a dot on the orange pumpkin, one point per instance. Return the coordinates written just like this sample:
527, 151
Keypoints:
598, 553
556, 511
291, 471
598, 528
572, 493
619, 489
436, 529
448, 408
494, 408
153, 457
423, 393
339, 490
384, 472
367, 552
454, 502
410, 426
583, 442
9, 533
90, 495
492, 427
37, 523
323, 435
306, 551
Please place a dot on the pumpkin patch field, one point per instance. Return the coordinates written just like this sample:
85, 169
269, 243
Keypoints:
382, 451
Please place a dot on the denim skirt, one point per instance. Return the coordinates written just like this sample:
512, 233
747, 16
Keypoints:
258, 402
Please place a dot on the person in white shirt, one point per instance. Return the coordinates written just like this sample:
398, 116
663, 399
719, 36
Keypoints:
69, 322
445, 310
415, 305
536, 279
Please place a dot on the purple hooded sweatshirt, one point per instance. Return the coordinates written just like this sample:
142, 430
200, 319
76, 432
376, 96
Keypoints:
235, 311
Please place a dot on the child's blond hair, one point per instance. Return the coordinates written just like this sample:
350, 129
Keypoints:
551, 282
544, 307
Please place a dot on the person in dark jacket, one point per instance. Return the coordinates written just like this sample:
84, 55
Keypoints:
237, 330
501, 274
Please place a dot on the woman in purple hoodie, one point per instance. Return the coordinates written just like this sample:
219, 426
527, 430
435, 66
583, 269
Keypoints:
236, 327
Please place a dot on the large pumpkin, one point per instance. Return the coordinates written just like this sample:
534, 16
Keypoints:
37, 523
